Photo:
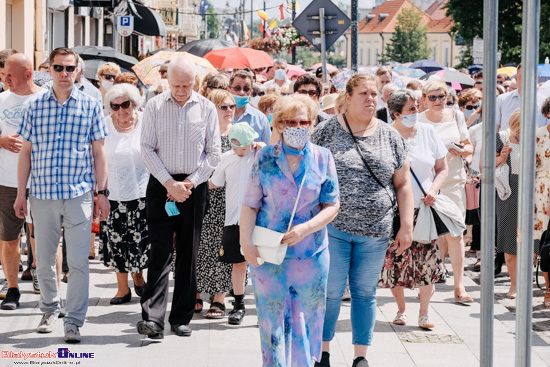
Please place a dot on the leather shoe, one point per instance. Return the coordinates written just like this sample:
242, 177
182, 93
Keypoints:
120, 300
151, 329
139, 289
181, 329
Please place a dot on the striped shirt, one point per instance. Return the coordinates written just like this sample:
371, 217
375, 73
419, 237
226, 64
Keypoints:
180, 140
61, 152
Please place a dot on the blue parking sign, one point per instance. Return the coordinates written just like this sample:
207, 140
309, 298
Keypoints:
125, 25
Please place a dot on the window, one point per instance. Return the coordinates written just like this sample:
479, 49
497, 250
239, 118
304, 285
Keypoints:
8, 24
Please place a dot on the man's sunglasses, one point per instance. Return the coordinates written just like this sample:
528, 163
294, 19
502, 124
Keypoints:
261, 94
312, 93
108, 76
116, 107
59, 68
435, 98
294, 123
229, 107
238, 89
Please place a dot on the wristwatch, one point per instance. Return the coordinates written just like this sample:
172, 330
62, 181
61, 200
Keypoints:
103, 192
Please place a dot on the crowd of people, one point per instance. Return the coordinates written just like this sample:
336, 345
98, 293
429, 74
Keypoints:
313, 195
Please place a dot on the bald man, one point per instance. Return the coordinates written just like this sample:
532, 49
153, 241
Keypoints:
18, 71
180, 145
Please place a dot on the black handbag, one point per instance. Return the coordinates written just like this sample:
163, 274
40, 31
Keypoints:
396, 219
439, 225
545, 250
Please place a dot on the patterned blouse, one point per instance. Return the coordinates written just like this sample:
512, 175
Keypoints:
273, 189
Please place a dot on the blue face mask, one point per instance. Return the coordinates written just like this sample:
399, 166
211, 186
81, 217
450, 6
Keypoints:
468, 113
241, 101
280, 74
270, 117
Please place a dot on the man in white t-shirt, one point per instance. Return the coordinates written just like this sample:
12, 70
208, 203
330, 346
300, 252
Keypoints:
13, 103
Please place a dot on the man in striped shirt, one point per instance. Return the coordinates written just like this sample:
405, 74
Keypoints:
181, 146
63, 132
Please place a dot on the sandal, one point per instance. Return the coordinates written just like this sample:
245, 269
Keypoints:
461, 296
216, 313
400, 318
511, 295
547, 299
425, 323
198, 305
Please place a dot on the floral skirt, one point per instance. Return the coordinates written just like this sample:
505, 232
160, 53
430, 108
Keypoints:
124, 239
419, 265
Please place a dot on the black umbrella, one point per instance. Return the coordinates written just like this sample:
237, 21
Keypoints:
162, 49
91, 67
202, 47
107, 54
41, 77
426, 66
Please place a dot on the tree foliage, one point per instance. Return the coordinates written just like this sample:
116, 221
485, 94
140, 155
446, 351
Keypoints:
213, 23
468, 18
409, 41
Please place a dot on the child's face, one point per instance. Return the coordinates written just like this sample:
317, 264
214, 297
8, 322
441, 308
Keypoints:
241, 151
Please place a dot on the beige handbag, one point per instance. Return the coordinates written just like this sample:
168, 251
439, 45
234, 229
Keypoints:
268, 241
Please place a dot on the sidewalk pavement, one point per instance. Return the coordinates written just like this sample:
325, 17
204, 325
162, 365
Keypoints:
110, 333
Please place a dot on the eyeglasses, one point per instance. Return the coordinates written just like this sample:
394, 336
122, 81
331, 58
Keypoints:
163, 71
228, 107
479, 81
108, 76
500, 81
218, 87
470, 107
124, 105
312, 93
69, 68
449, 104
238, 89
261, 94
158, 92
441, 97
294, 123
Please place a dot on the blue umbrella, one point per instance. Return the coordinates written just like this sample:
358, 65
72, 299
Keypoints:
426, 65
474, 68
543, 72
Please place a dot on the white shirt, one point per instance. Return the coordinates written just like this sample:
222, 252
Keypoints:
128, 175
12, 107
234, 171
476, 138
507, 103
424, 149
274, 82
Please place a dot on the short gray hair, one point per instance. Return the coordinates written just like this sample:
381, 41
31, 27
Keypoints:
389, 86
398, 100
280, 62
122, 90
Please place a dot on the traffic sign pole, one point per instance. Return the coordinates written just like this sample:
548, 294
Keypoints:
354, 32
323, 42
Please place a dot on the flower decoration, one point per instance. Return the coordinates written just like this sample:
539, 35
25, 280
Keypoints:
281, 40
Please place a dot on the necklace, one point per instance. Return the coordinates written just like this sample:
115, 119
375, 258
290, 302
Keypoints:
127, 129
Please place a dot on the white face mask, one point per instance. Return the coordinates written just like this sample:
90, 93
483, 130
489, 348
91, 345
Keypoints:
410, 120
296, 137
106, 84
280, 74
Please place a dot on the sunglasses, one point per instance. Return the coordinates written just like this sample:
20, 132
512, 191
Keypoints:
157, 92
470, 107
294, 123
449, 104
261, 94
312, 93
500, 81
108, 76
60, 68
238, 89
229, 107
435, 98
116, 107
163, 71
479, 82
218, 87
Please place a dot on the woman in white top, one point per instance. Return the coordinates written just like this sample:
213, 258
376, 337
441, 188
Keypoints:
124, 237
420, 265
451, 128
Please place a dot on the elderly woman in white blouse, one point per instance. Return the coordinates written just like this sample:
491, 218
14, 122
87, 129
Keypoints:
124, 236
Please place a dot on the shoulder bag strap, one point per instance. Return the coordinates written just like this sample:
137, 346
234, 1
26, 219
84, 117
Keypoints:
418, 182
297, 199
365, 160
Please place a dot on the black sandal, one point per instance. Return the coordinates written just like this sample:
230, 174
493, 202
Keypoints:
198, 302
216, 313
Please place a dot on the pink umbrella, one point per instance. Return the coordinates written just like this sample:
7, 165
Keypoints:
330, 68
294, 70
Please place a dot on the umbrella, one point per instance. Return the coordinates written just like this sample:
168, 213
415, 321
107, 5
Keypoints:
409, 72
330, 68
508, 70
105, 53
91, 67
162, 49
474, 68
545, 89
392, 64
294, 70
239, 58
41, 77
543, 72
147, 69
202, 47
340, 80
455, 79
426, 65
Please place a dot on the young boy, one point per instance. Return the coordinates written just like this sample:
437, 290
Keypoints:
234, 170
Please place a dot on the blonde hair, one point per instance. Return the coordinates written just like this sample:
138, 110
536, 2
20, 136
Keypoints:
340, 104
356, 80
108, 68
288, 107
514, 120
267, 101
434, 85
218, 96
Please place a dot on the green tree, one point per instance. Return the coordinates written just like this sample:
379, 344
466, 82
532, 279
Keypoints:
468, 18
212, 23
409, 41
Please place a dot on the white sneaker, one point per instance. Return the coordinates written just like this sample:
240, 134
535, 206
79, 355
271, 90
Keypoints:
72, 335
47, 322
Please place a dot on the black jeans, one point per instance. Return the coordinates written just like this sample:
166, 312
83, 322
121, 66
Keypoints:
187, 226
